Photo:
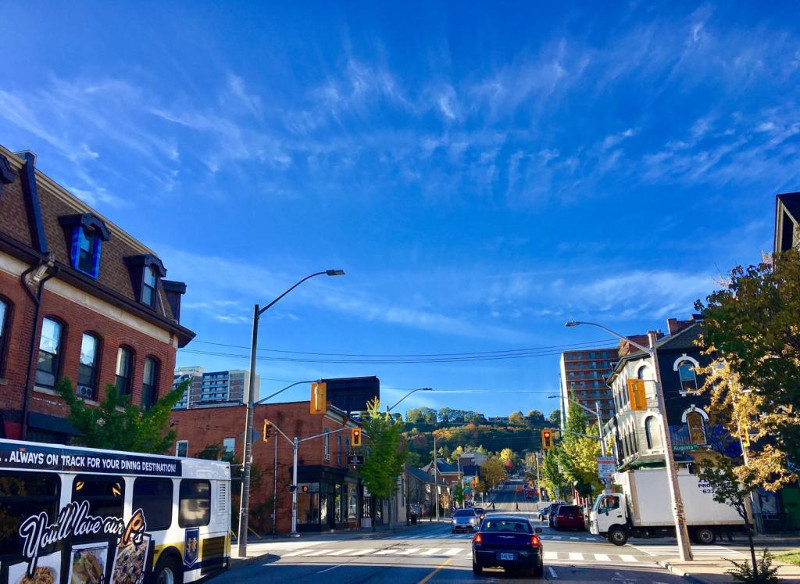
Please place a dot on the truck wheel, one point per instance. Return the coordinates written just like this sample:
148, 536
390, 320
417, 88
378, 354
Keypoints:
167, 572
618, 535
705, 535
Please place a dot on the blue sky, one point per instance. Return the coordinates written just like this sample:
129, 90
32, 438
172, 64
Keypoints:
482, 171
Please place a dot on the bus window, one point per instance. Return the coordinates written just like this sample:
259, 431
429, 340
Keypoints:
154, 497
23, 494
106, 494
195, 503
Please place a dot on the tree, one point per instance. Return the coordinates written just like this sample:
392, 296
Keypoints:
493, 472
732, 485
550, 474
535, 418
119, 425
577, 454
752, 324
554, 417
516, 419
387, 452
422, 416
458, 494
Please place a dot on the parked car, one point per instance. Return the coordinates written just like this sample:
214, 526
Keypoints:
544, 511
569, 517
552, 512
464, 520
508, 542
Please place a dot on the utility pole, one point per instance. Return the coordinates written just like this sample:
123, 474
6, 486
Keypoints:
435, 476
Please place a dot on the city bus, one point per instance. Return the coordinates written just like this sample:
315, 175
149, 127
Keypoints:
74, 515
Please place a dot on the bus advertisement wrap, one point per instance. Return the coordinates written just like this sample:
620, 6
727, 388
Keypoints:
90, 516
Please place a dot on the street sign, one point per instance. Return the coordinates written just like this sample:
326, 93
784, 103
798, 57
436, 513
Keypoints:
606, 466
356, 459
685, 447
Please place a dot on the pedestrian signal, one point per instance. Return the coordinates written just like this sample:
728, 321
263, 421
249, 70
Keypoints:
636, 395
267, 434
356, 436
547, 439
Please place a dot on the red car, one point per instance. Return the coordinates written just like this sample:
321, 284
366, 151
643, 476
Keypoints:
569, 517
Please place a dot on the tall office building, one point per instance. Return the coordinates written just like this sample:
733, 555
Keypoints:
583, 379
214, 388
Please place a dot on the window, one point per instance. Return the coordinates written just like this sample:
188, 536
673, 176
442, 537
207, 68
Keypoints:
5, 318
149, 286
22, 495
195, 503
106, 494
49, 363
154, 497
87, 368
124, 370
228, 448
149, 383
687, 376
86, 234
697, 432
182, 448
652, 431
326, 445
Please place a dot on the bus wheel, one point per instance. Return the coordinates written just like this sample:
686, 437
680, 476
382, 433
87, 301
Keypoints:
167, 572
618, 535
705, 536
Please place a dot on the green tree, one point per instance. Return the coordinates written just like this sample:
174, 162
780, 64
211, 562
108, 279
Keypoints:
421, 416
554, 417
119, 425
550, 474
458, 494
387, 452
535, 418
516, 419
752, 324
577, 453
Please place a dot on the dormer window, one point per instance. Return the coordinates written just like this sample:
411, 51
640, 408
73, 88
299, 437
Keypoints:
146, 272
85, 235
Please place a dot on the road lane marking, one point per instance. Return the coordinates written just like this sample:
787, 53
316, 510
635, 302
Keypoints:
430, 551
628, 558
550, 555
453, 551
363, 552
432, 574
552, 573
341, 552
602, 557
331, 568
574, 538
408, 551
297, 553
575, 556
318, 553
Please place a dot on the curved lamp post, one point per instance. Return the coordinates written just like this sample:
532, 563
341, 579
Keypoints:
248, 433
406, 395
681, 532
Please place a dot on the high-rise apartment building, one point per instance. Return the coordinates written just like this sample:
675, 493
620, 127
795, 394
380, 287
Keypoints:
583, 379
213, 388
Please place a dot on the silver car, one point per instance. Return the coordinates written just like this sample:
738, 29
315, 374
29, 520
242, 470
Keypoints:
464, 520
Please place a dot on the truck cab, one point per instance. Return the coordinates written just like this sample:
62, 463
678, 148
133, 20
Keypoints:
609, 518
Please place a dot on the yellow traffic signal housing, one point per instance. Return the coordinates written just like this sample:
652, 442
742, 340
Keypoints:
744, 435
319, 399
267, 434
356, 436
636, 395
547, 439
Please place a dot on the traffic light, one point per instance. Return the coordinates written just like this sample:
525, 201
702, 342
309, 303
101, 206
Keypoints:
356, 436
319, 403
267, 434
636, 395
547, 439
744, 435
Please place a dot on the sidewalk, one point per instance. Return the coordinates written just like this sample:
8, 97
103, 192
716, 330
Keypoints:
712, 570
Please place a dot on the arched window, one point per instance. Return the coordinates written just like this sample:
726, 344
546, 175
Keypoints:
687, 376
150, 383
124, 372
697, 431
48, 365
652, 430
88, 366
5, 325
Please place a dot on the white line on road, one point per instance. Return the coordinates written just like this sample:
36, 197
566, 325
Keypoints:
628, 558
363, 552
550, 555
297, 553
453, 551
430, 552
341, 552
602, 558
575, 556
331, 568
552, 573
318, 553
408, 551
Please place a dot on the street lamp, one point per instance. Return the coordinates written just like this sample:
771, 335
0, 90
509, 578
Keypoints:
248, 432
406, 395
669, 457
595, 412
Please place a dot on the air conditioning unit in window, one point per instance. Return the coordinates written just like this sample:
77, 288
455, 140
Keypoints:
84, 391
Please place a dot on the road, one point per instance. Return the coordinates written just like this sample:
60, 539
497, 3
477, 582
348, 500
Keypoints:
429, 553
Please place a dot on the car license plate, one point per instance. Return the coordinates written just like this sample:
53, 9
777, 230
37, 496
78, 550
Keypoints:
506, 556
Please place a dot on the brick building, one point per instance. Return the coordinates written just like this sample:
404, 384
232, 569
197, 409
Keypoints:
330, 495
79, 298
583, 379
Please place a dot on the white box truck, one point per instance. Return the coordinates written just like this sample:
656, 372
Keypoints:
643, 508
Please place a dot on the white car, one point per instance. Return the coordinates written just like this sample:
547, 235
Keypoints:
464, 520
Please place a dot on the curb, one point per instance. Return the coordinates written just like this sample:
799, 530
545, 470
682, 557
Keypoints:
241, 562
681, 572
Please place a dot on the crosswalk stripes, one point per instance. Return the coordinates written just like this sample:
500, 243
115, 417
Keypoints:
452, 552
545, 537
697, 550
